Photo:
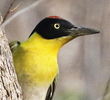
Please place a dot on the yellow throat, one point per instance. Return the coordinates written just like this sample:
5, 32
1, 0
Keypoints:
35, 60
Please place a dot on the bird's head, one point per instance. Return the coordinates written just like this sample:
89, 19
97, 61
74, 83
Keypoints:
56, 28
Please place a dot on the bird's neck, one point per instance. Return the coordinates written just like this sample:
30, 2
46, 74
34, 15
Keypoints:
47, 44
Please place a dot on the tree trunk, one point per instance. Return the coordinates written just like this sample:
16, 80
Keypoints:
9, 86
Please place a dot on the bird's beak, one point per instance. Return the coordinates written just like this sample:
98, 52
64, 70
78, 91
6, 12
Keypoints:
80, 31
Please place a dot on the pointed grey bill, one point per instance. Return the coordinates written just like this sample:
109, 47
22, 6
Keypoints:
80, 31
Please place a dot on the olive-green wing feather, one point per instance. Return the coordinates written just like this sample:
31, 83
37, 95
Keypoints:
51, 90
13, 45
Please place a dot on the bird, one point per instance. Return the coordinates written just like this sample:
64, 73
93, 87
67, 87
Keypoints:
35, 59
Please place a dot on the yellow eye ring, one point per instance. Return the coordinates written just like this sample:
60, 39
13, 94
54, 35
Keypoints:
57, 25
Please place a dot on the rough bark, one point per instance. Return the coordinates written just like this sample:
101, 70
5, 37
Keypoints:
9, 86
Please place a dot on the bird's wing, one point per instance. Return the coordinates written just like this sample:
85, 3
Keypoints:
13, 45
51, 90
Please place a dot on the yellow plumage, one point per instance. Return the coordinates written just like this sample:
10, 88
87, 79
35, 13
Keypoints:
35, 60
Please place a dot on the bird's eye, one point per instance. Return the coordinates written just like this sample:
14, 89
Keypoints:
57, 25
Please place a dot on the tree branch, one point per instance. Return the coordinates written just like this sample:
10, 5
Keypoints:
10, 10
9, 86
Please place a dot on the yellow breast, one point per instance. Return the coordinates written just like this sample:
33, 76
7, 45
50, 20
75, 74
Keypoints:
35, 66
36, 60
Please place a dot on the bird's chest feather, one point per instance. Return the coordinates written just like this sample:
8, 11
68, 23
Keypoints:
35, 66
34, 93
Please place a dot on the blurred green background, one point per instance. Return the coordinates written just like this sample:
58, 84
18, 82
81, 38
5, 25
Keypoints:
85, 61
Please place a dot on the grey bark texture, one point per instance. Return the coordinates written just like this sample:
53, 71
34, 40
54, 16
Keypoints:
9, 86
